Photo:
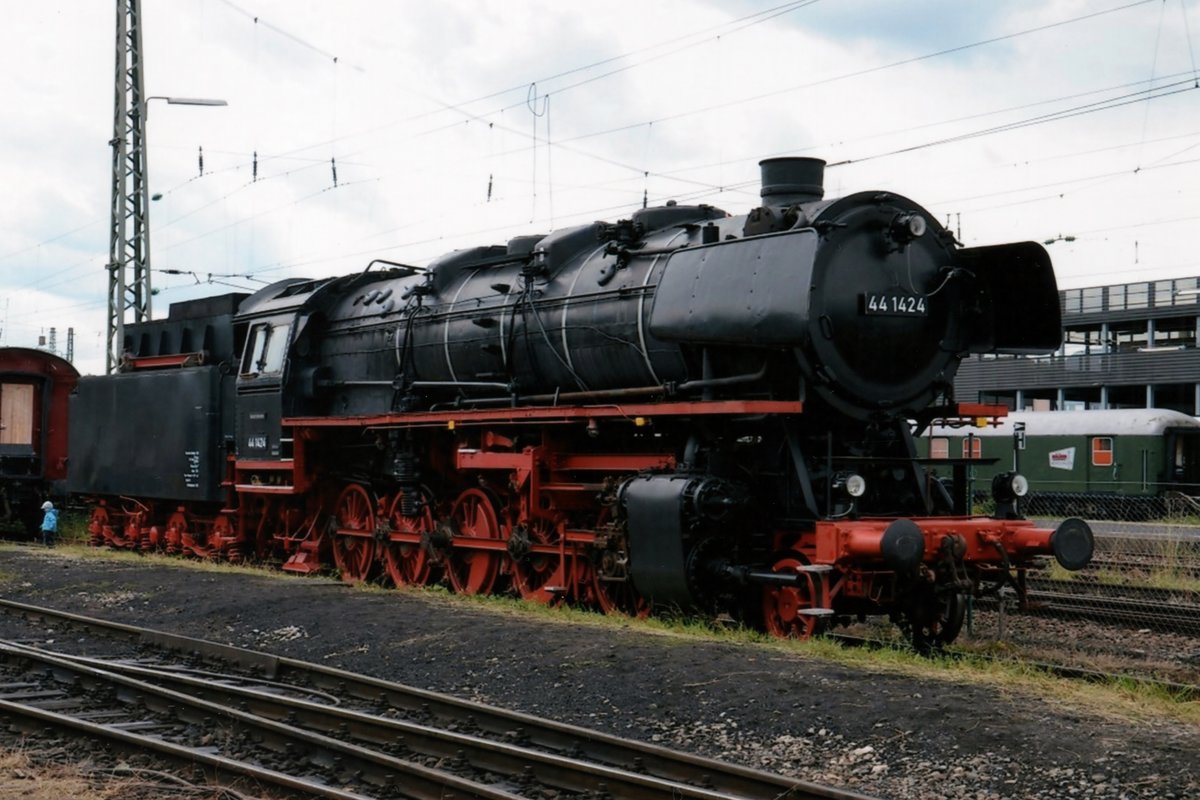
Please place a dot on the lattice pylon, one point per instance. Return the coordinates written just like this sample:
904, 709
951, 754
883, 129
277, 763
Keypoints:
129, 234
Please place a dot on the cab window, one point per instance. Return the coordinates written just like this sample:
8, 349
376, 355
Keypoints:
265, 348
939, 447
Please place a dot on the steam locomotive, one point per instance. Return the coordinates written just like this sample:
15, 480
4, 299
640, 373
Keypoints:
681, 410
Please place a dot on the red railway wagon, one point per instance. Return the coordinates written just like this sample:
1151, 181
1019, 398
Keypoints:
34, 388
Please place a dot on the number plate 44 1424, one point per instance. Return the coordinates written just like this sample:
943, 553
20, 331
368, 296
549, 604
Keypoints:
894, 304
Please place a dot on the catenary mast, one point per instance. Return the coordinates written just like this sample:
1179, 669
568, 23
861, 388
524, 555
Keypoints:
129, 234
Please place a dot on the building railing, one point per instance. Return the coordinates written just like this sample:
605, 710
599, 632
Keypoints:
1131, 296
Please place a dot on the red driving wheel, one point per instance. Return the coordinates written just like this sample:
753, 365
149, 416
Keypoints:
478, 551
354, 539
404, 555
619, 597
614, 596
540, 573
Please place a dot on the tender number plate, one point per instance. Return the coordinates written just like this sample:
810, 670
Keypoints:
894, 304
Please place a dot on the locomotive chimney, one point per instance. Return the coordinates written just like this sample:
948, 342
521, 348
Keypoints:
786, 181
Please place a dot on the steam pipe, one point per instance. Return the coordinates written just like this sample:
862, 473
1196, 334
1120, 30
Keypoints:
576, 397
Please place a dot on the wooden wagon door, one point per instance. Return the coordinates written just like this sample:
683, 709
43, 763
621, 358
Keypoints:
17, 409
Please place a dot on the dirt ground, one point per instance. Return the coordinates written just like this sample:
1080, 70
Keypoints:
878, 732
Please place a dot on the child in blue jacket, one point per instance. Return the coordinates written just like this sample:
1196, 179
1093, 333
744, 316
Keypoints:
49, 524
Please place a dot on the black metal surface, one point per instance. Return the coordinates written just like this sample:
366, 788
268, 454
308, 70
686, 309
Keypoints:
1017, 298
258, 428
902, 545
862, 362
1073, 544
193, 326
658, 540
791, 180
744, 291
154, 434
865, 298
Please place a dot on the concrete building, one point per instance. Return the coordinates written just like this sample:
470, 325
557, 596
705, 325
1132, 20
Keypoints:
1131, 345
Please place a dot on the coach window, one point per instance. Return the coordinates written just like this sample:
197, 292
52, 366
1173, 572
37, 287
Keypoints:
265, 349
17, 412
1102, 451
972, 447
939, 447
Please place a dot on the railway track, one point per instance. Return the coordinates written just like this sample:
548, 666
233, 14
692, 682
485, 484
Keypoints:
253, 719
1143, 607
1133, 564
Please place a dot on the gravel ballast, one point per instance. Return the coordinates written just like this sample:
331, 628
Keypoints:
875, 731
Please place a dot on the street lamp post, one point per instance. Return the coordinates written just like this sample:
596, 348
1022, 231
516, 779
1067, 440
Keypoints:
142, 269
129, 235
188, 101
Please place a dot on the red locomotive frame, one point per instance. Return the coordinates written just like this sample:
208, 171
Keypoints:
516, 519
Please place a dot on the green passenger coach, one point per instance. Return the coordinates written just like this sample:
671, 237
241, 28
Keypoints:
1075, 460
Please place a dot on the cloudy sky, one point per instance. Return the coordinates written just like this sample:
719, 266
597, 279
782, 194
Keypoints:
464, 122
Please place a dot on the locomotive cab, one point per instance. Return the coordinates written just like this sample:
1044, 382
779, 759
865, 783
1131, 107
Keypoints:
260, 379
268, 322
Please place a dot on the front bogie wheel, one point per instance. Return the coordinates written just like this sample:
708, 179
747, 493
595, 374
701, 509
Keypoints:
791, 611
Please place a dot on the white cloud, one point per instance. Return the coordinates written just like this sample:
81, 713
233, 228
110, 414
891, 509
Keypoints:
413, 174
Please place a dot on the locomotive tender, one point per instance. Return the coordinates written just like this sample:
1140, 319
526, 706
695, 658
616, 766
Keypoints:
684, 409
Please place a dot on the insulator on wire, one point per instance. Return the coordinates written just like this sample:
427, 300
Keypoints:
489, 197
333, 165
201, 159
254, 168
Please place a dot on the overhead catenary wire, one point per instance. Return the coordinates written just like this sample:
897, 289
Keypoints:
1039, 119
562, 143
643, 174
863, 72
642, 171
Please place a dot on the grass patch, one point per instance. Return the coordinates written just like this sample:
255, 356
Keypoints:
21, 776
84, 551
